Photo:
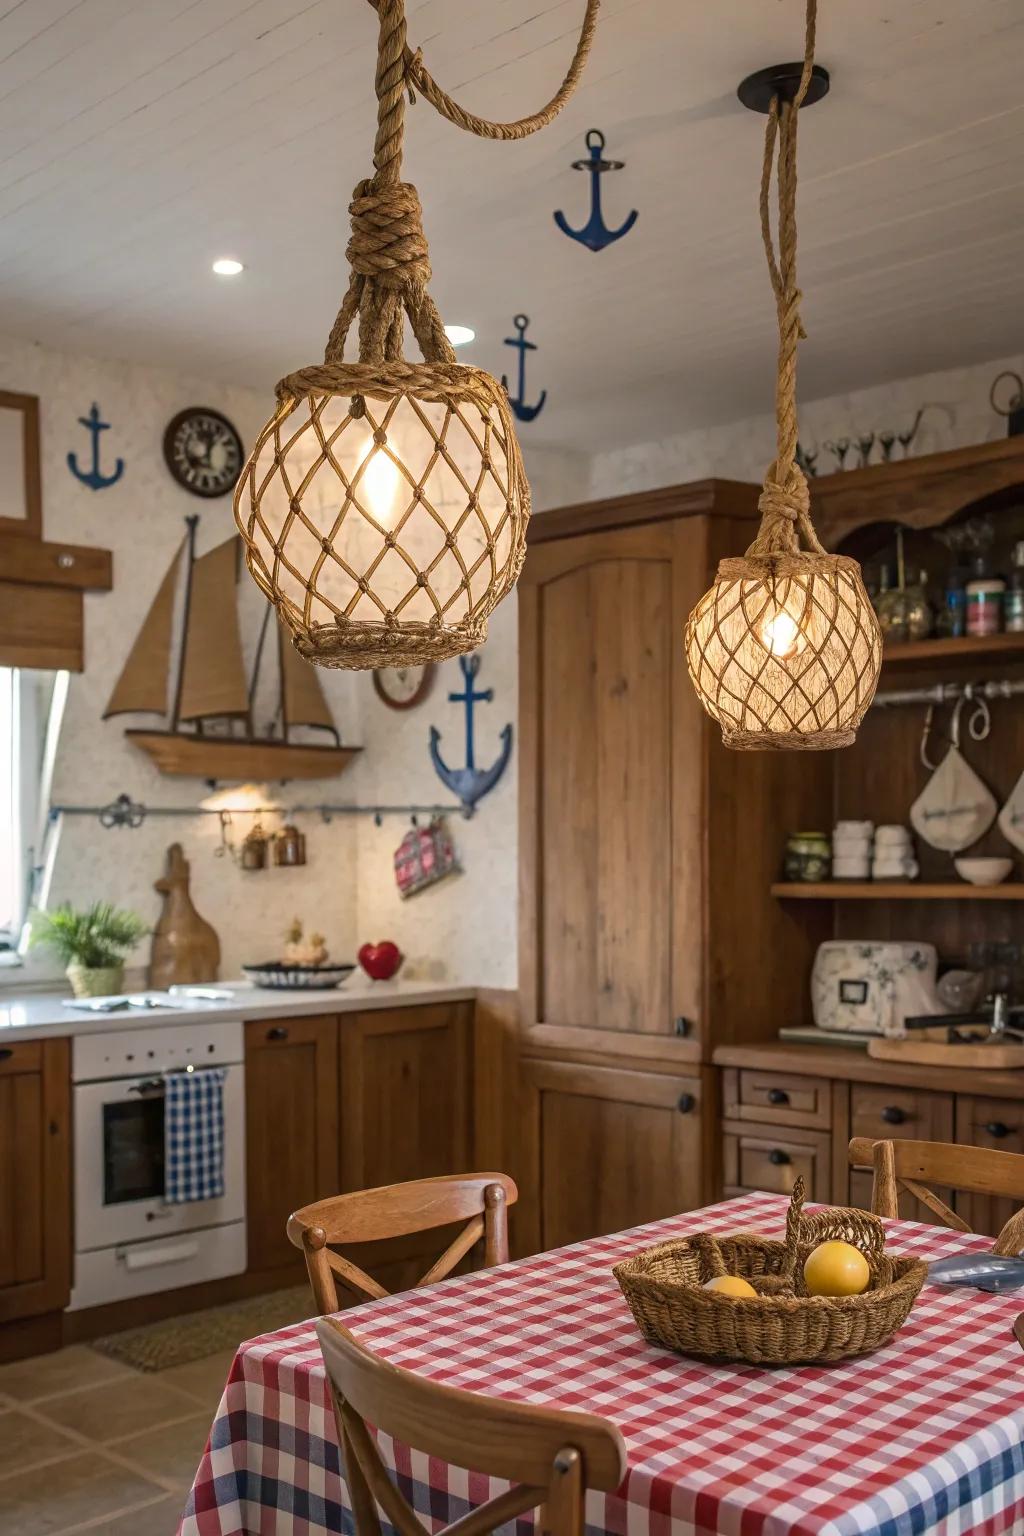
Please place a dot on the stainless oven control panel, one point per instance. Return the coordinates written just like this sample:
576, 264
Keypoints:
163, 1047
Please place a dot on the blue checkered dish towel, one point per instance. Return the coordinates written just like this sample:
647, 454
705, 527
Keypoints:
194, 1136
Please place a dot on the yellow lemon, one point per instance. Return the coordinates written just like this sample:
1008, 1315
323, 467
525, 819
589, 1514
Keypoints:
730, 1285
836, 1269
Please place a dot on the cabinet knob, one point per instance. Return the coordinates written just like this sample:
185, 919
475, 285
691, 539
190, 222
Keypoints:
6, 1052
893, 1115
682, 1026
277, 1032
778, 1096
778, 1158
997, 1129
686, 1104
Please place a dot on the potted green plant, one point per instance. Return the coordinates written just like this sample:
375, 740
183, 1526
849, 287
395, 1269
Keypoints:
93, 944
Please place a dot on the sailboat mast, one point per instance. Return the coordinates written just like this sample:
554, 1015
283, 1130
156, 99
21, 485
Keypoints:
281, 682
192, 523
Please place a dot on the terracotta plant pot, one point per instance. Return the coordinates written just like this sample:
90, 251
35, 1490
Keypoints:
107, 981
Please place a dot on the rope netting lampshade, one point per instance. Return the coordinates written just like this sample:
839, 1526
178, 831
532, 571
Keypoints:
384, 506
785, 649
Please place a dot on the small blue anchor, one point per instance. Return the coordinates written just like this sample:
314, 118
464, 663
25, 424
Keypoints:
595, 234
523, 411
470, 784
92, 478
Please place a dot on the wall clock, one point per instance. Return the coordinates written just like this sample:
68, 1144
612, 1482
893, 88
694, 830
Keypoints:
402, 687
203, 451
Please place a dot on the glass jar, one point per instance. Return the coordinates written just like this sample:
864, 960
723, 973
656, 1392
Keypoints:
808, 857
985, 594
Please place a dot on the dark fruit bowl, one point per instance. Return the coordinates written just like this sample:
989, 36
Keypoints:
279, 975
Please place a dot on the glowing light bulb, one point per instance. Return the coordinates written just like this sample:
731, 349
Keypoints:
379, 483
782, 636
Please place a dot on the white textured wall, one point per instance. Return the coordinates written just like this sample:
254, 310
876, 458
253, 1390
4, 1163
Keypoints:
140, 519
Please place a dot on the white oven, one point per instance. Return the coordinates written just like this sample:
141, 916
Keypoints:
128, 1240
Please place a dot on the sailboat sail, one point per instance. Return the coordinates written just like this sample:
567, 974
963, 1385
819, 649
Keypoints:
142, 686
301, 695
213, 678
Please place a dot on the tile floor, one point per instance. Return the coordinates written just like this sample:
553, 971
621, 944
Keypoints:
91, 1446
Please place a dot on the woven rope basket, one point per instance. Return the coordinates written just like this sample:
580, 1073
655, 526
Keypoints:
386, 538
782, 1325
785, 651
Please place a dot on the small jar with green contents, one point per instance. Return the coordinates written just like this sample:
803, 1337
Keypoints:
808, 857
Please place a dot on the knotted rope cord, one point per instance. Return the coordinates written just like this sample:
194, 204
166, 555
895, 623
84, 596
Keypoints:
784, 503
388, 254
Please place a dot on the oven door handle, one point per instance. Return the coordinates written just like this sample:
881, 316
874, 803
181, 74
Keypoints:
150, 1087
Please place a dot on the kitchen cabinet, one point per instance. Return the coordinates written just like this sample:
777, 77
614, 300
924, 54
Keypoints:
406, 1109
884, 1113
35, 1178
610, 1148
997, 1123
291, 1113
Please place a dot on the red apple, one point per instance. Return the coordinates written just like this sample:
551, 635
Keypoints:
380, 961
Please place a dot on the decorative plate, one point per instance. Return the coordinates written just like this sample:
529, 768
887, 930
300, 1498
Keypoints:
277, 975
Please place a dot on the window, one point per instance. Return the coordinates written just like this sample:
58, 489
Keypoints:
31, 711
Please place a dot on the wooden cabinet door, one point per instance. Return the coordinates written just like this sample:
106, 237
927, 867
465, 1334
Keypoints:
291, 1128
611, 746
996, 1123
612, 1148
35, 1183
405, 1103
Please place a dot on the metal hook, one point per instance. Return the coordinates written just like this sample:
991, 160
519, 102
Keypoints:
923, 750
595, 234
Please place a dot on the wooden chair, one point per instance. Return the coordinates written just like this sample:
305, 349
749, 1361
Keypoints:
481, 1200
900, 1165
551, 1457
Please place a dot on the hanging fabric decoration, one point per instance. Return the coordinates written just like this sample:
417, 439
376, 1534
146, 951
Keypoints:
384, 506
518, 402
595, 234
784, 650
423, 857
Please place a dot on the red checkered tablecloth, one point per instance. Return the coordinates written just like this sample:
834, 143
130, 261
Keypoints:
927, 1435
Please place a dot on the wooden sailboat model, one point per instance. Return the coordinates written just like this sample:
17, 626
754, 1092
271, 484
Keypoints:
203, 691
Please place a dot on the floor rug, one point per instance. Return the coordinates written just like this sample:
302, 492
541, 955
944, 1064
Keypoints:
180, 1340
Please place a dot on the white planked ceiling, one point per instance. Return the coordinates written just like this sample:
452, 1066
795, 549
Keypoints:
139, 139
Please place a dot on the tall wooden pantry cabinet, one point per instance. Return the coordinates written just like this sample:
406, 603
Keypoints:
640, 841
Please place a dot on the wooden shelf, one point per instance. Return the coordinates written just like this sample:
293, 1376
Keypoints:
896, 890
967, 648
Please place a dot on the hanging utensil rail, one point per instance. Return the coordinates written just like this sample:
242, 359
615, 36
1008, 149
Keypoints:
947, 693
125, 812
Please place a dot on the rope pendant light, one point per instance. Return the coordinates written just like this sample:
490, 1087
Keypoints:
785, 649
384, 506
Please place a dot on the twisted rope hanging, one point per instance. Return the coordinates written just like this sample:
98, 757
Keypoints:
785, 500
388, 255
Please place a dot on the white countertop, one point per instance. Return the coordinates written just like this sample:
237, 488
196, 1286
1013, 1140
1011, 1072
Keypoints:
44, 1015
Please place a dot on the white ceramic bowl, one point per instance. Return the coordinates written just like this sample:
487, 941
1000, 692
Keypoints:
983, 871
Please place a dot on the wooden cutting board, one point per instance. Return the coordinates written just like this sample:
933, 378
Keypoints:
934, 1053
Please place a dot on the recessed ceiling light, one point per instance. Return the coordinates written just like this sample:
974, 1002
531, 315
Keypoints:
227, 266
458, 335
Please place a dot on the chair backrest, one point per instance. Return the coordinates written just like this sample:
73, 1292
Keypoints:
551, 1457
912, 1165
481, 1200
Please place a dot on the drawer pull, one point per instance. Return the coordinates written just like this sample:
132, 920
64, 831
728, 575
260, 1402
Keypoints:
681, 1026
778, 1158
686, 1104
778, 1096
6, 1053
893, 1115
277, 1033
997, 1129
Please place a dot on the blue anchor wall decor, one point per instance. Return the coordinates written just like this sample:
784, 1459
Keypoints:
595, 234
92, 478
470, 783
522, 410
